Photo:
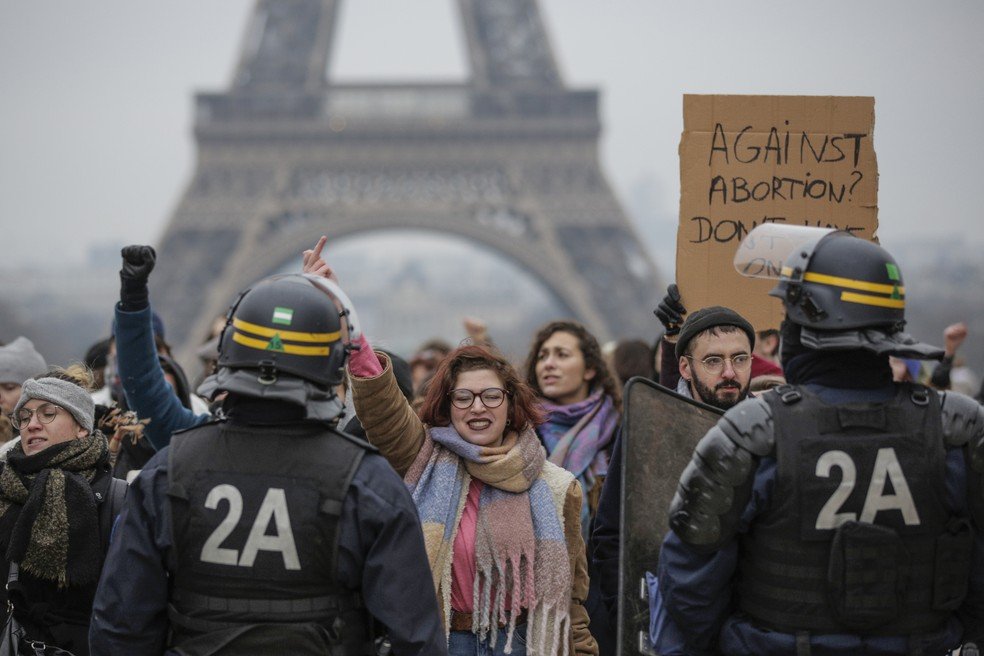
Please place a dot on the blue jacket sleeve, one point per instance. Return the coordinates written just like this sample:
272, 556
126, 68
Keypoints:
971, 611
147, 391
694, 590
129, 614
381, 552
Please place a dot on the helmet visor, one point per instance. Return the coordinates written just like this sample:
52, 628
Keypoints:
766, 248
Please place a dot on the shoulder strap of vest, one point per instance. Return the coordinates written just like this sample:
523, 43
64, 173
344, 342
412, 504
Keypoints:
358, 441
210, 422
111, 507
716, 485
333, 506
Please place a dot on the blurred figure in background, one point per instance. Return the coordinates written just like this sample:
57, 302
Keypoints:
633, 357
19, 360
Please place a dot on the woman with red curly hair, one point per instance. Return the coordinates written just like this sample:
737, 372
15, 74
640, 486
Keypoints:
501, 524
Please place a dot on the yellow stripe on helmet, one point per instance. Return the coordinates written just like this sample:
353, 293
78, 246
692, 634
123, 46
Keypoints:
290, 349
293, 336
866, 299
850, 283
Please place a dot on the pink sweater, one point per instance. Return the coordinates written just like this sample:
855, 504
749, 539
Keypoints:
463, 558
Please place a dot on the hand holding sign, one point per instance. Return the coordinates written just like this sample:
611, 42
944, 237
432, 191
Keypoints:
315, 265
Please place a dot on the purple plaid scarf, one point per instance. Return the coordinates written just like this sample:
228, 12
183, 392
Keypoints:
578, 436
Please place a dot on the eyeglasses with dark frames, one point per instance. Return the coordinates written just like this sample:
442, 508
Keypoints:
492, 397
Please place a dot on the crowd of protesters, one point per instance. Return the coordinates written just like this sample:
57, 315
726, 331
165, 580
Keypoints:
513, 468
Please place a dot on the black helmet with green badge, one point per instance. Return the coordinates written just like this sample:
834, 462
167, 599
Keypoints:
840, 282
287, 338
285, 325
843, 291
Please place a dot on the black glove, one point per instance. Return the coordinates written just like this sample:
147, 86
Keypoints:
670, 310
138, 262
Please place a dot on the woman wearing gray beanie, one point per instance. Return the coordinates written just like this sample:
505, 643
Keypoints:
19, 360
57, 503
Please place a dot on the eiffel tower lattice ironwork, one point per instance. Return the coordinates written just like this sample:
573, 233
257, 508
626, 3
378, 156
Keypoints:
508, 159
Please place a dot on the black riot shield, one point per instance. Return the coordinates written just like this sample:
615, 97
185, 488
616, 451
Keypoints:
659, 432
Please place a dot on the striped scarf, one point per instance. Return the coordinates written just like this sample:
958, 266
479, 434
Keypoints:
520, 547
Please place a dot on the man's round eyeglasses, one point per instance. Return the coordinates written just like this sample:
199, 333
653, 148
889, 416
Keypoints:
492, 397
714, 364
46, 414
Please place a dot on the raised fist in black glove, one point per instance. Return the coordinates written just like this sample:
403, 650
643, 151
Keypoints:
138, 262
670, 311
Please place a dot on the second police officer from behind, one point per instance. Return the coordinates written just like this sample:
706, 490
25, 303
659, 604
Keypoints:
839, 514
269, 531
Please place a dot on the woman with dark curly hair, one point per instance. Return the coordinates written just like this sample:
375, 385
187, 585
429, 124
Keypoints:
582, 403
583, 410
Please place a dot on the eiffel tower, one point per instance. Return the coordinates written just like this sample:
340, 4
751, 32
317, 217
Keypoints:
507, 159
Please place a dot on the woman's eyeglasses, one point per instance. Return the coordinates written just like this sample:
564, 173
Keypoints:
45, 412
492, 397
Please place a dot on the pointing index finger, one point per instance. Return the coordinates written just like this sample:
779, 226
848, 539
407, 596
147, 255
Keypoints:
320, 246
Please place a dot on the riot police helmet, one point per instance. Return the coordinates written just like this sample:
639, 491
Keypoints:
841, 282
286, 325
843, 291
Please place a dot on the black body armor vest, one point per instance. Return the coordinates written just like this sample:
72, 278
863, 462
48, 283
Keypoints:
255, 514
857, 537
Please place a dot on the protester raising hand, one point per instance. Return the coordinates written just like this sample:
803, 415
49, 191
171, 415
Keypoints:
314, 264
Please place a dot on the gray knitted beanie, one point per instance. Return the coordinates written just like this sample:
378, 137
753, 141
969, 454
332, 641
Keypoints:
20, 361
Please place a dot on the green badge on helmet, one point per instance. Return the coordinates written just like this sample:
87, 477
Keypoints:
893, 274
283, 316
276, 344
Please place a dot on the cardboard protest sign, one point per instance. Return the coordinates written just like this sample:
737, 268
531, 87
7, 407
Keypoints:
748, 160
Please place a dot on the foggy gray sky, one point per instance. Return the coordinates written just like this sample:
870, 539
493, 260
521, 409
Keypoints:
95, 117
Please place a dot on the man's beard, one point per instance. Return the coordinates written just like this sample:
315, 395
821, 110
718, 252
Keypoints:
708, 396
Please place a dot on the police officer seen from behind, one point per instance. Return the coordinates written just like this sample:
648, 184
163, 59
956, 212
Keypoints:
841, 513
269, 532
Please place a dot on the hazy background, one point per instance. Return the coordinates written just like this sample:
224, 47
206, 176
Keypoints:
95, 117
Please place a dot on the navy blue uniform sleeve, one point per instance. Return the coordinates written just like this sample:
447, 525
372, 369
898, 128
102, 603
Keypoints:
147, 391
381, 552
129, 614
971, 611
605, 539
694, 589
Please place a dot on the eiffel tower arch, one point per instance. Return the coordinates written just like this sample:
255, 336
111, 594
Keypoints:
507, 159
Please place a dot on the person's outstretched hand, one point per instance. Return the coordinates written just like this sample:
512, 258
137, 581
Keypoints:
314, 264
670, 311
